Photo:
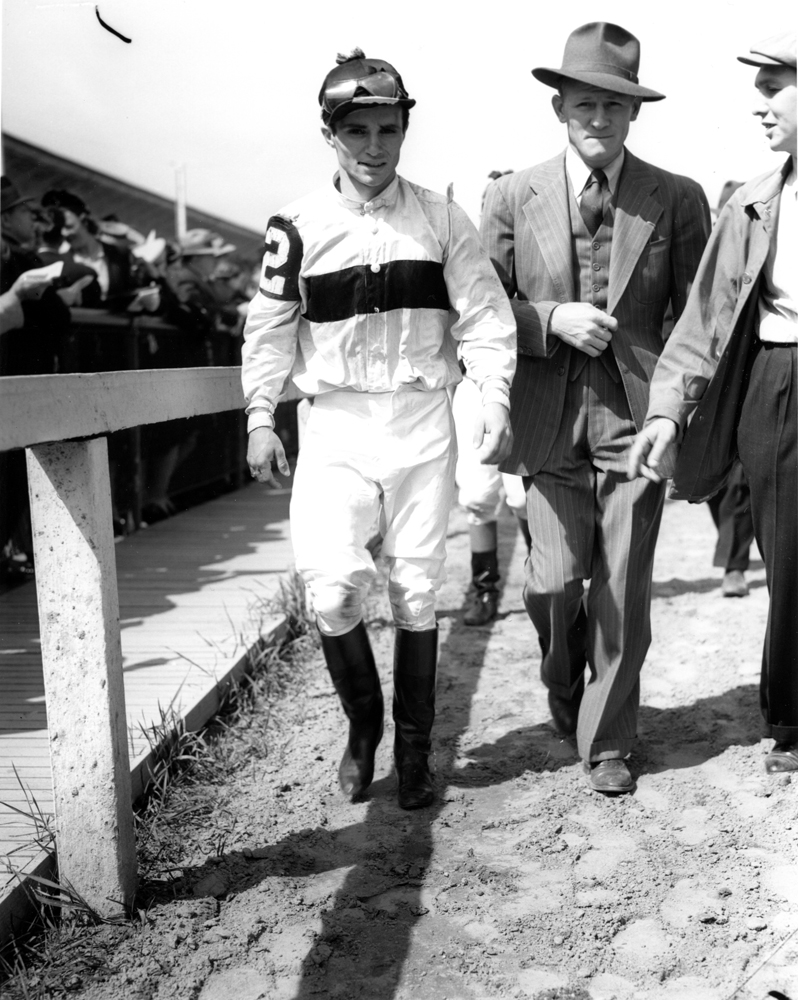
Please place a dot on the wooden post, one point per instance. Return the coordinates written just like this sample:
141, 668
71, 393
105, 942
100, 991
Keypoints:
82, 659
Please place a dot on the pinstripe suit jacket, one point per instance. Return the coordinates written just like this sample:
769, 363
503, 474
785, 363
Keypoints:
660, 228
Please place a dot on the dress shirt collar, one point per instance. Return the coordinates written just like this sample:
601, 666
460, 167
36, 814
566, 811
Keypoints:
789, 182
579, 172
385, 199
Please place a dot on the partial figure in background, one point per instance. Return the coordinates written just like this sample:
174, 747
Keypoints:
482, 490
354, 304
731, 511
78, 285
85, 243
191, 277
35, 326
729, 375
731, 507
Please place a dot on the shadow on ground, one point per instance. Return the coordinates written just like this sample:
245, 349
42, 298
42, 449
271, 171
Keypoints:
366, 928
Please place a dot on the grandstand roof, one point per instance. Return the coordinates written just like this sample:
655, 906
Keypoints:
35, 170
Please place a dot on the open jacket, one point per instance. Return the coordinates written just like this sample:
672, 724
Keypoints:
660, 227
700, 375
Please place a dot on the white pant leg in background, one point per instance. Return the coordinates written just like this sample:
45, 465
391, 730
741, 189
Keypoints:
479, 486
364, 456
514, 494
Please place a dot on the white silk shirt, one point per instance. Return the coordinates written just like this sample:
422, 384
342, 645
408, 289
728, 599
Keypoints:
373, 296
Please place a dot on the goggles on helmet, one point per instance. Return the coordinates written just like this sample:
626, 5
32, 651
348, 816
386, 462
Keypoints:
361, 82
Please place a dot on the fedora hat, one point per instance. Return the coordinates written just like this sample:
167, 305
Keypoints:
602, 55
11, 195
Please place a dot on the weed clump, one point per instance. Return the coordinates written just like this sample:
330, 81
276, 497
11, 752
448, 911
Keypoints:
67, 942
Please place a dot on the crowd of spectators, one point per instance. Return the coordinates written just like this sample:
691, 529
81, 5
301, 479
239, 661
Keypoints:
58, 258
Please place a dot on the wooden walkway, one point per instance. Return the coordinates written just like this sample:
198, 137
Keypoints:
193, 598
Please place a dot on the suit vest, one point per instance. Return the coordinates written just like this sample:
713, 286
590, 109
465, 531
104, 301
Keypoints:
591, 263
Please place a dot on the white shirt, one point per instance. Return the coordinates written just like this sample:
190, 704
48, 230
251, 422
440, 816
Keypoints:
373, 296
778, 300
579, 172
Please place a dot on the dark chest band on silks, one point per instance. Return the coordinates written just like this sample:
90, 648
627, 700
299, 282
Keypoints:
357, 291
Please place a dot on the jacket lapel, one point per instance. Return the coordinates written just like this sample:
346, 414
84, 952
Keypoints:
548, 215
636, 214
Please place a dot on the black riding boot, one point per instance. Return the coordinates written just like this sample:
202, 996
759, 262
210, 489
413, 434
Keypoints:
354, 675
414, 670
485, 588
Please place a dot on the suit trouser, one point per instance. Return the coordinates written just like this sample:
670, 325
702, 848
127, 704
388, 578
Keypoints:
731, 512
766, 439
589, 522
374, 458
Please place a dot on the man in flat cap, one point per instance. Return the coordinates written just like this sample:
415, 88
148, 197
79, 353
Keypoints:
591, 247
731, 369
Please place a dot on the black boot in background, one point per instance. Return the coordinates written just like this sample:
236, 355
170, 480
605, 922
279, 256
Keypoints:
484, 587
354, 675
414, 672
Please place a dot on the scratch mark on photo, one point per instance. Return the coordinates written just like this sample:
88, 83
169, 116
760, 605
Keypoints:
109, 28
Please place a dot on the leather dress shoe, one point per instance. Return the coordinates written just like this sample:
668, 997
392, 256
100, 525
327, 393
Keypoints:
611, 776
565, 712
782, 759
734, 584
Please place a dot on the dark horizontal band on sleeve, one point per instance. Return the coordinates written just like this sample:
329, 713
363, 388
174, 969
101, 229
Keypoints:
356, 291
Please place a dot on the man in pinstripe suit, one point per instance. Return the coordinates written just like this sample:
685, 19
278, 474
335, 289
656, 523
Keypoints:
591, 247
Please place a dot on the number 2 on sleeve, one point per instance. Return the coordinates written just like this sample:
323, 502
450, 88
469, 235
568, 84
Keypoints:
281, 261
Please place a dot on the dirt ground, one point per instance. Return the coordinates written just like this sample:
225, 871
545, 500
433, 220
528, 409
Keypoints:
519, 882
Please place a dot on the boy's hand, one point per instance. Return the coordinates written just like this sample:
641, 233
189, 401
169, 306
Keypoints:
492, 434
264, 448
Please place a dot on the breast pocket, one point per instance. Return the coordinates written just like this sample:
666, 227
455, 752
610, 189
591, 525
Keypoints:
651, 277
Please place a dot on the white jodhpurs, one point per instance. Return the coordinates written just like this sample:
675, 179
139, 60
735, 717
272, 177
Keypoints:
481, 488
370, 459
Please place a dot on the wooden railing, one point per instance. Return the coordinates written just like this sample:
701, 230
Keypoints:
61, 421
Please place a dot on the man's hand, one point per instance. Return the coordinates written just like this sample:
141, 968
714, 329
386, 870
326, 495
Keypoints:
492, 434
583, 326
264, 448
654, 451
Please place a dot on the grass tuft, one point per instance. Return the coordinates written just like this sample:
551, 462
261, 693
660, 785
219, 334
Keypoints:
187, 775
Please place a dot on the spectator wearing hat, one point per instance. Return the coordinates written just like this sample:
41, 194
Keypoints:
591, 246
29, 347
191, 276
356, 303
34, 349
730, 368
77, 284
108, 257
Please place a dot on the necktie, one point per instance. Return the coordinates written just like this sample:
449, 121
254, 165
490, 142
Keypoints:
592, 204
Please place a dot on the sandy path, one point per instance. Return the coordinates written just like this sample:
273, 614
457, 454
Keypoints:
519, 882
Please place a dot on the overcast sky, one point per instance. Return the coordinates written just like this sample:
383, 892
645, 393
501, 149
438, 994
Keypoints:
229, 88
